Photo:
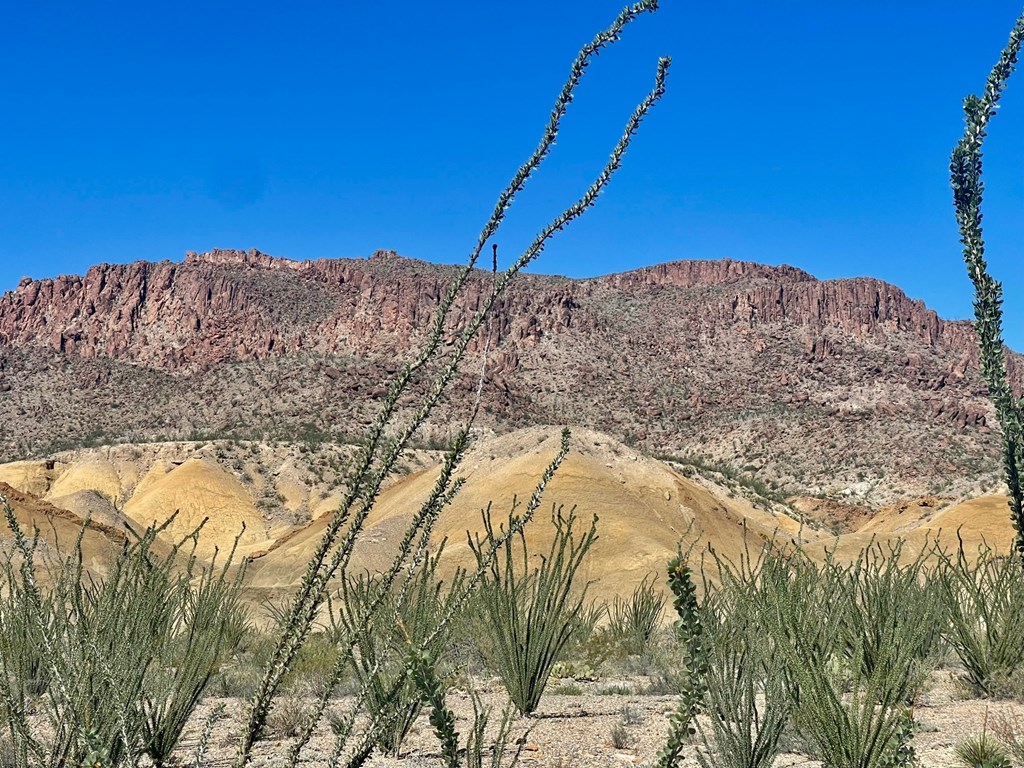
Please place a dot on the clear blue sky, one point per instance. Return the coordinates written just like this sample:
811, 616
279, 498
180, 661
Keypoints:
802, 132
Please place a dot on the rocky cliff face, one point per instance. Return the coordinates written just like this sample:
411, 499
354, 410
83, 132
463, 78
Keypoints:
246, 305
241, 306
760, 366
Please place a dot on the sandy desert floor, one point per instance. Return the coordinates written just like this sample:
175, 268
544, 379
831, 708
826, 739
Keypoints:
574, 731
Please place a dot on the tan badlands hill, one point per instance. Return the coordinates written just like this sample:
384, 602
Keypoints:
58, 531
646, 508
977, 524
821, 387
267, 488
645, 511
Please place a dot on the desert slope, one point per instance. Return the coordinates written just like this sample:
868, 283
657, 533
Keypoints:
978, 523
58, 531
645, 511
646, 508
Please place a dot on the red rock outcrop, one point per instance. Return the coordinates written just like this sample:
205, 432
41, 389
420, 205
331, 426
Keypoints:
245, 305
731, 353
214, 307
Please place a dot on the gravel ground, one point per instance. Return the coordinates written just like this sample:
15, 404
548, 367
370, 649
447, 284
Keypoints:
575, 731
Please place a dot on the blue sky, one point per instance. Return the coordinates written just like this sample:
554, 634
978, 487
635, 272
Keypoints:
803, 132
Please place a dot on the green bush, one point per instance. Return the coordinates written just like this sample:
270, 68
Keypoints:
126, 655
981, 752
984, 606
761, 652
531, 613
634, 622
417, 617
691, 631
747, 699
479, 747
890, 605
850, 669
208, 623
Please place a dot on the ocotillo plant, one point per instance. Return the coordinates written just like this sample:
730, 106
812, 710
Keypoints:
690, 629
531, 612
968, 190
123, 655
442, 356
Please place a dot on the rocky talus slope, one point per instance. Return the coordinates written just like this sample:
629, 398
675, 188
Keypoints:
846, 386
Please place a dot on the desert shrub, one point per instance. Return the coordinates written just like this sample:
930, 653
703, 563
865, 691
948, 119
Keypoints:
1009, 686
767, 653
27, 676
984, 605
239, 674
1008, 728
531, 612
887, 599
494, 753
206, 736
127, 654
406, 619
982, 751
287, 717
209, 622
660, 666
620, 736
853, 673
237, 678
747, 698
314, 665
590, 651
786, 591
634, 622
748, 705
691, 633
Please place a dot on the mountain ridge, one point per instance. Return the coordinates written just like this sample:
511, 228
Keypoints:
777, 293
742, 362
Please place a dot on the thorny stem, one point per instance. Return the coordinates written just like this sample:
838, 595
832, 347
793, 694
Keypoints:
366, 483
968, 191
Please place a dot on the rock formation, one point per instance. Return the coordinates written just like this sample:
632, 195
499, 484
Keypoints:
815, 384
